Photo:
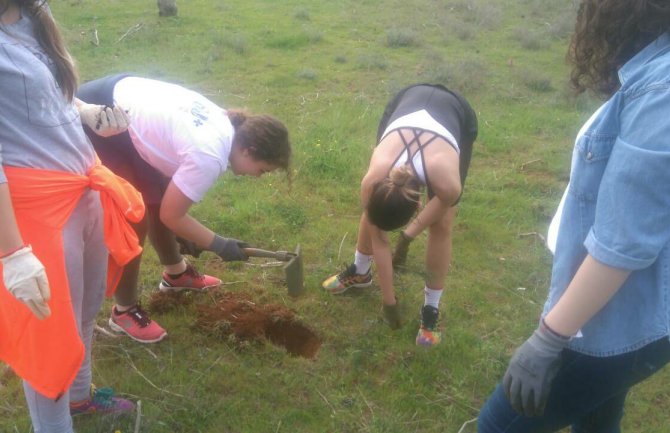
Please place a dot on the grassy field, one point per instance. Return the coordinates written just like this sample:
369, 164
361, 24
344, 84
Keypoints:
327, 69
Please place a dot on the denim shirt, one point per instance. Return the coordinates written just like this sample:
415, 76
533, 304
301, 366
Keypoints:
617, 207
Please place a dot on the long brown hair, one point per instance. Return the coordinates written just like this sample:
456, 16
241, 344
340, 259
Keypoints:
264, 136
50, 39
608, 33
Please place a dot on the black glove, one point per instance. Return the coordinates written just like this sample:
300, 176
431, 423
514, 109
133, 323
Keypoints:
188, 247
401, 250
229, 249
533, 367
392, 315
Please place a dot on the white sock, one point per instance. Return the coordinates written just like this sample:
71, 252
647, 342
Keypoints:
362, 262
432, 297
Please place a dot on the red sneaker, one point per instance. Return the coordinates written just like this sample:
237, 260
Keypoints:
136, 324
189, 280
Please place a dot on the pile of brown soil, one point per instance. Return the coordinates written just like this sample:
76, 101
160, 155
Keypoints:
235, 314
164, 302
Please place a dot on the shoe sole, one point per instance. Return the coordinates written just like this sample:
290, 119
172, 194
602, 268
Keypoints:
340, 291
164, 288
119, 330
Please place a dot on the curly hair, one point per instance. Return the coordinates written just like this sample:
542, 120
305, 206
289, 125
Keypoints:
608, 33
50, 39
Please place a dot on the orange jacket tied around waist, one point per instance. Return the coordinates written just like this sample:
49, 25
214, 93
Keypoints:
48, 353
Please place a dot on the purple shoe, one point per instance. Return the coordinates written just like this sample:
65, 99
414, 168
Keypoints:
102, 401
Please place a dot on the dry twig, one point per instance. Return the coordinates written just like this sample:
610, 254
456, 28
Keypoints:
527, 163
466, 423
130, 31
138, 416
539, 235
339, 250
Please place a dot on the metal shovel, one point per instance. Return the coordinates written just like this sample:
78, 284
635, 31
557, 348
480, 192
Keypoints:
292, 268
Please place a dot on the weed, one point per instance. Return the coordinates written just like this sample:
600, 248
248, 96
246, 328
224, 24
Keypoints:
401, 38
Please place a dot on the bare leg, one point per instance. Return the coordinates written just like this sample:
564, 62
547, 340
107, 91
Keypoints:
164, 242
438, 251
126, 294
364, 242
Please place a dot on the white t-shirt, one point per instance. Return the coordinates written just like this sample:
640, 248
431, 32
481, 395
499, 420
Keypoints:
177, 131
554, 227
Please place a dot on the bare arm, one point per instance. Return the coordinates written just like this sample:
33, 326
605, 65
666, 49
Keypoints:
174, 214
592, 287
446, 184
381, 248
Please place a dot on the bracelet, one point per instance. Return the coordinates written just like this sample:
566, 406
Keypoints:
552, 332
10, 252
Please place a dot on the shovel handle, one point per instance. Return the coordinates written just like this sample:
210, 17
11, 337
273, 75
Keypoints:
277, 255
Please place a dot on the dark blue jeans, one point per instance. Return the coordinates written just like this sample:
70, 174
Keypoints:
588, 393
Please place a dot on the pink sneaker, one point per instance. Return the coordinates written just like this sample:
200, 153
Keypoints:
189, 280
136, 323
102, 401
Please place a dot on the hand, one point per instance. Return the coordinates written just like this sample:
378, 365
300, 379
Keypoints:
392, 315
229, 249
401, 250
188, 247
104, 121
533, 367
25, 278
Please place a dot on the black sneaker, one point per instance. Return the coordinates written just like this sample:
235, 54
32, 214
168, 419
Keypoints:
428, 335
345, 280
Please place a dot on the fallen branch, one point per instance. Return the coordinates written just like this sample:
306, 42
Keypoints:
130, 31
96, 41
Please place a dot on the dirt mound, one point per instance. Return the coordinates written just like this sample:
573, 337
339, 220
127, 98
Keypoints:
235, 314
164, 302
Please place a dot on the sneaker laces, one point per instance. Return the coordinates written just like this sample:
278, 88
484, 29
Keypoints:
349, 271
103, 396
139, 316
429, 317
191, 271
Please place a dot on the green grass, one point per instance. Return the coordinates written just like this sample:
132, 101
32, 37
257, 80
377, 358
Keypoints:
327, 69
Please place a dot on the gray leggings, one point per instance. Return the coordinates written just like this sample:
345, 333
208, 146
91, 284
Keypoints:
86, 263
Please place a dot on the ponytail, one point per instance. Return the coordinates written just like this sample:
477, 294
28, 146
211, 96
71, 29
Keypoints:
394, 199
264, 136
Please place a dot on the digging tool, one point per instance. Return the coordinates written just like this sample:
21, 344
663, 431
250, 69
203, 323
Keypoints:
292, 268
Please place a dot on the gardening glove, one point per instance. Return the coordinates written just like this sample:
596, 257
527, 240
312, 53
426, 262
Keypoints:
229, 249
401, 250
392, 315
104, 121
189, 247
532, 369
25, 278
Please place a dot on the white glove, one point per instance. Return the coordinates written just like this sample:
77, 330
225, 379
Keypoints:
104, 121
25, 278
